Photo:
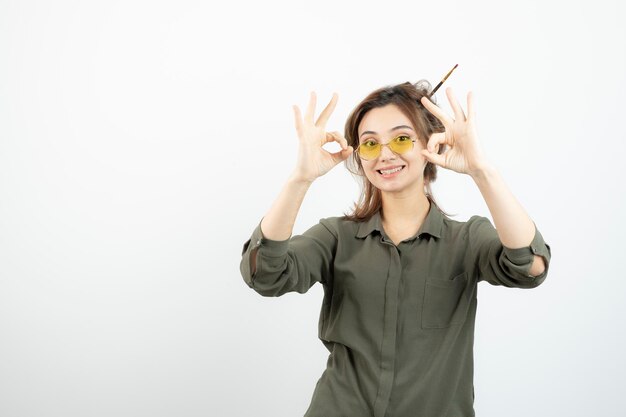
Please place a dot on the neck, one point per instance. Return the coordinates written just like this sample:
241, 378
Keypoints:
404, 207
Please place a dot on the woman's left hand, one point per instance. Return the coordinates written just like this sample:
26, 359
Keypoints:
464, 154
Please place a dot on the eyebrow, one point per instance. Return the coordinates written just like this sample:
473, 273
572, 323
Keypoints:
391, 130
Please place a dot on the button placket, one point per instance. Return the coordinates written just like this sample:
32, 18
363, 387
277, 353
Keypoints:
390, 320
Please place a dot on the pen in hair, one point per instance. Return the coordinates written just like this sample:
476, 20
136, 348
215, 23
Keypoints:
442, 81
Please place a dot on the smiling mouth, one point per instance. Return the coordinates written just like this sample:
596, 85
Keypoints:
395, 172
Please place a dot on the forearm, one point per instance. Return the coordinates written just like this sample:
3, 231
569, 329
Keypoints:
279, 221
515, 228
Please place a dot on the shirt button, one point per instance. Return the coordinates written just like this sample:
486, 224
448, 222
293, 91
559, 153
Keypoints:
258, 242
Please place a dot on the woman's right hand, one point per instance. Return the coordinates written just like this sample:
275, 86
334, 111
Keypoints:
313, 160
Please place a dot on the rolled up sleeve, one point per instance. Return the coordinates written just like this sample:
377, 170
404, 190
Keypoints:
291, 265
500, 265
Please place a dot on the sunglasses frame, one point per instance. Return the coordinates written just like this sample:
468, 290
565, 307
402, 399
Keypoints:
385, 144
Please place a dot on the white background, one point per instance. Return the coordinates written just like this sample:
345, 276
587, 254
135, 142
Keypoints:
142, 141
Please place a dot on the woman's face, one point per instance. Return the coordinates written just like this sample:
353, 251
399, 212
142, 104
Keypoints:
382, 124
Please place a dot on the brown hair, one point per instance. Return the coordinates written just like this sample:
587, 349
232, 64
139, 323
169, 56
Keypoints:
407, 97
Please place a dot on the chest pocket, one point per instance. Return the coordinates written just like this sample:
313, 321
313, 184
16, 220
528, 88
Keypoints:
446, 301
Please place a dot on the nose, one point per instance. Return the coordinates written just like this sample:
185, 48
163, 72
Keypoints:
386, 153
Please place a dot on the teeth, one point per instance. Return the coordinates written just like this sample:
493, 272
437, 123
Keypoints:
391, 171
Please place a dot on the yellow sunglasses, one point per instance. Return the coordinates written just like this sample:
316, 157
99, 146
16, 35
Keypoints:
370, 149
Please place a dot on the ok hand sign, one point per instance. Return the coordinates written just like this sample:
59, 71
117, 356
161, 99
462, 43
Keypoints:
313, 160
464, 155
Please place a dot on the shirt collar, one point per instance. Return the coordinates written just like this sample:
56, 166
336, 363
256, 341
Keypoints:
432, 224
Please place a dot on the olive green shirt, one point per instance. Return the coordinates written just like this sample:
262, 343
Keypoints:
398, 321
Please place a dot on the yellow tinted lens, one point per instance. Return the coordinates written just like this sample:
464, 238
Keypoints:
369, 149
401, 144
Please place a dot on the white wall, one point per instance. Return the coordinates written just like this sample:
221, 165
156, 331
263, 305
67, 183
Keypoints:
142, 141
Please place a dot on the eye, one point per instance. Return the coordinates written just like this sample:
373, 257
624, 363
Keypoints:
369, 143
403, 138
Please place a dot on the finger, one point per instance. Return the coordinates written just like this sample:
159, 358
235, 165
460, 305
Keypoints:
434, 158
471, 115
336, 137
341, 155
456, 107
330, 107
435, 141
434, 109
341, 140
310, 111
298, 118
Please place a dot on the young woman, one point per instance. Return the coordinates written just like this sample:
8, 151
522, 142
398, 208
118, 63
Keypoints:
400, 277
